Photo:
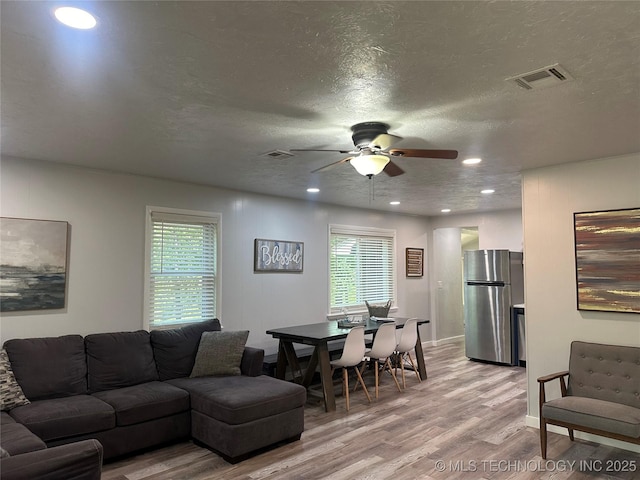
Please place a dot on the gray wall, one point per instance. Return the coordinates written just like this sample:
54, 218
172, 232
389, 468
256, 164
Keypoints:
106, 212
550, 197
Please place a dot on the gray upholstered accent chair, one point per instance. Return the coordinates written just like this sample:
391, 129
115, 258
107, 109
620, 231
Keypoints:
602, 396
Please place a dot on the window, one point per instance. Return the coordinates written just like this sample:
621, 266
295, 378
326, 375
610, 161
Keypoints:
182, 274
361, 266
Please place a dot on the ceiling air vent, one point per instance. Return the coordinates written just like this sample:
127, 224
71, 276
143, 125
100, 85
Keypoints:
278, 154
541, 78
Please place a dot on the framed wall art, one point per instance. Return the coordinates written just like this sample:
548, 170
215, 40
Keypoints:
607, 252
33, 264
278, 256
415, 262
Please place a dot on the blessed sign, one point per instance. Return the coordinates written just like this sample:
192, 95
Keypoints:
278, 256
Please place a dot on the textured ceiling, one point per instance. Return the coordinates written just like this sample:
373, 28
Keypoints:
200, 91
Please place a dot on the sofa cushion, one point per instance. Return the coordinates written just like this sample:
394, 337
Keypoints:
240, 399
146, 401
175, 350
65, 417
17, 438
6, 418
220, 353
117, 360
11, 395
593, 413
49, 367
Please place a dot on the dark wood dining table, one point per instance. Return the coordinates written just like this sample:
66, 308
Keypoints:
319, 335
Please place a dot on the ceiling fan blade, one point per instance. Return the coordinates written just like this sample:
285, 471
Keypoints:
418, 153
331, 165
385, 140
317, 150
392, 169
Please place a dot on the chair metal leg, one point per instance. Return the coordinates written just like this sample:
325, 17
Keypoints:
387, 366
345, 385
376, 377
364, 387
362, 367
413, 365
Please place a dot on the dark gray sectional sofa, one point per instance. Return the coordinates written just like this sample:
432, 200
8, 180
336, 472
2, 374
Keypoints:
131, 390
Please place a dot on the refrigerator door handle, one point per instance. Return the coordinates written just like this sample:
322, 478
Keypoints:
486, 284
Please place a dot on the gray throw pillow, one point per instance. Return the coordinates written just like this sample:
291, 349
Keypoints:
3, 453
220, 353
11, 395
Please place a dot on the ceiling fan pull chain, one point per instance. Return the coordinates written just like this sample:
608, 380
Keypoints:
372, 191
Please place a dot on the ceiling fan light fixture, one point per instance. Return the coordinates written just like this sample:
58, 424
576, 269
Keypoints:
369, 165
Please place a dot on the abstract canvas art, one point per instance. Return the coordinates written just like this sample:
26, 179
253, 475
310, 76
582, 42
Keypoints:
607, 247
33, 264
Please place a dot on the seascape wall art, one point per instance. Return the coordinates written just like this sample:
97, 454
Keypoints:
607, 248
33, 264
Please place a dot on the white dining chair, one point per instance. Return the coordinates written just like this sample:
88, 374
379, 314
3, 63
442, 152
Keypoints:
384, 344
352, 356
407, 342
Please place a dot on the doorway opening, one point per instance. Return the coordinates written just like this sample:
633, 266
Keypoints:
449, 247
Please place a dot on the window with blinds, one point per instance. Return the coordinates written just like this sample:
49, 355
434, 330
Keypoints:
361, 266
182, 271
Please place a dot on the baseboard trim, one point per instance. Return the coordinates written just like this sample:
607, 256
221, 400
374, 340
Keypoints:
531, 421
445, 341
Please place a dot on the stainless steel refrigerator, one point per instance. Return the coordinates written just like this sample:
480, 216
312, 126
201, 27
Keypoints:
493, 283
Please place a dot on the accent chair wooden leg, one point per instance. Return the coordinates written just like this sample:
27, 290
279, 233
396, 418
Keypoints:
543, 438
570, 433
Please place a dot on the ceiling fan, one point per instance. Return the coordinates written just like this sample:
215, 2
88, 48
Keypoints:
372, 153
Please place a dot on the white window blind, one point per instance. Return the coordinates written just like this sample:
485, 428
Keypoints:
362, 266
182, 269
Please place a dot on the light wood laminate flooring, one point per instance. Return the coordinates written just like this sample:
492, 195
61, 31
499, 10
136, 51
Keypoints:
466, 421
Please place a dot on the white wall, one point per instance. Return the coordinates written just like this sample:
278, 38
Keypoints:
496, 230
550, 197
447, 289
106, 212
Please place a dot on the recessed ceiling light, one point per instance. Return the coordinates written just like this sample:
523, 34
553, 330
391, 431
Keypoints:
75, 18
313, 190
487, 191
395, 202
471, 161
445, 210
